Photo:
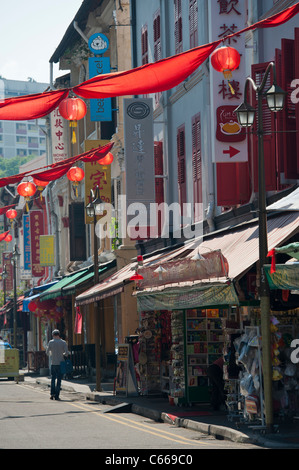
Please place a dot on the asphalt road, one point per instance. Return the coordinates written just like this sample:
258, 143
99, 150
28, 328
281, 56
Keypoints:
30, 420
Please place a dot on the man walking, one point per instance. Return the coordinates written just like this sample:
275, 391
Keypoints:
57, 349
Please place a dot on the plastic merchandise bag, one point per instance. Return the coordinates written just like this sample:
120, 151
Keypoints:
246, 385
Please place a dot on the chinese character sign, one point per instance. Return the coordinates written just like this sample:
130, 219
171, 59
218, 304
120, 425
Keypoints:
229, 146
9, 269
96, 175
36, 230
26, 241
139, 151
47, 253
59, 137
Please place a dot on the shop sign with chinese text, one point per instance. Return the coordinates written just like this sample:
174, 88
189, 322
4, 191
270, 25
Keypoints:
47, 252
96, 175
139, 154
59, 135
36, 230
230, 145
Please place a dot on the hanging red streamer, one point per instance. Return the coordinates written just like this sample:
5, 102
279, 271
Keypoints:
150, 78
23, 108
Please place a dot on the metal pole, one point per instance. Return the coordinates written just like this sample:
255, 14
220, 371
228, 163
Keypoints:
264, 288
97, 328
14, 302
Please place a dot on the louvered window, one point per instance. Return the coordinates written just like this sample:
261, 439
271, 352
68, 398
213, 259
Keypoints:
178, 26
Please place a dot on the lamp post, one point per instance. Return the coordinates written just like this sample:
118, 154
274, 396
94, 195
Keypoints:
246, 114
93, 209
15, 256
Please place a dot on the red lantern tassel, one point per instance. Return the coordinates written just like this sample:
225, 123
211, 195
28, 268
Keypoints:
73, 124
273, 262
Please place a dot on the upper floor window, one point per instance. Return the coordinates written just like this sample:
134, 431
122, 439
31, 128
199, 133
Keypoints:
193, 23
144, 45
178, 26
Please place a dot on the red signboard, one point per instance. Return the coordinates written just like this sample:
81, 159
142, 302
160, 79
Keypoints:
9, 269
36, 229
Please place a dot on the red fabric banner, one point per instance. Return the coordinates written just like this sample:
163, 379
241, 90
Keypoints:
3, 235
150, 78
28, 107
52, 174
58, 169
11, 179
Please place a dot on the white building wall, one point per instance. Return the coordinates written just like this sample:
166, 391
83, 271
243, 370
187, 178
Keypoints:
183, 102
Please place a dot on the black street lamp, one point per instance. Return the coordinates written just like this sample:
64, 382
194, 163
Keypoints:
94, 208
246, 114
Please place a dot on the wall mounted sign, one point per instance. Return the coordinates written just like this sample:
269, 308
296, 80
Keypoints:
98, 43
36, 230
226, 18
100, 108
26, 243
139, 157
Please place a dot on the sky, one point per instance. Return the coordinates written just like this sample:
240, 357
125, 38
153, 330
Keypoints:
30, 32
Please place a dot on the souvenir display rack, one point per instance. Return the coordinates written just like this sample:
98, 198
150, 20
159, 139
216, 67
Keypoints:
197, 341
154, 351
204, 345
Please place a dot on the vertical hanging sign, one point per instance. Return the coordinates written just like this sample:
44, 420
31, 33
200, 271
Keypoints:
100, 109
27, 245
229, 145
140, 170
58, 136
36, 230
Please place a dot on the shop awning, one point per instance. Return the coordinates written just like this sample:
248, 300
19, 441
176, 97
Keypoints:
71, 288
286, 276
35, 293
240, 244
115, 284
181, 297
56, 290
287, 203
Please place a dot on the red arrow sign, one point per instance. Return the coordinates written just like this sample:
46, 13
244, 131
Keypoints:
232, 152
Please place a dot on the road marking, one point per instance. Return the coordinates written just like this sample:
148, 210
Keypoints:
127, 422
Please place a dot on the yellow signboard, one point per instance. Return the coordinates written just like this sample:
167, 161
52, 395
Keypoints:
47, 252
96, 175
10, 366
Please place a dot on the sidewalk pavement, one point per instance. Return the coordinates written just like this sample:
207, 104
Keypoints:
198, 417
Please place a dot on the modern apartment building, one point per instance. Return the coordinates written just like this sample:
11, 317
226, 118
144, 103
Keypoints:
22, 138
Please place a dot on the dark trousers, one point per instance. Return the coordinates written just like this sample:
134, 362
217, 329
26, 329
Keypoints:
215, 375
55, 381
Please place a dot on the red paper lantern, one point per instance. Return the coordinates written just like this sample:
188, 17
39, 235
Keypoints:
8, 238
75, 175
107, 160
26, 189
225, 60
32, 306
11, 214
40, 185
73, 109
